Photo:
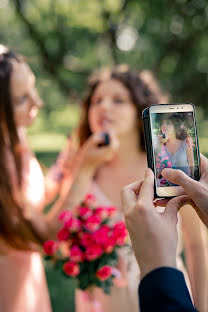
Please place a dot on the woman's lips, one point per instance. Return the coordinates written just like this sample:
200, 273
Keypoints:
105, 122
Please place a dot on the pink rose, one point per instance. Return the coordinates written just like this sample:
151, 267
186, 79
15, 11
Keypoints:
86, 239
73, 225
65, 216
109, 245
101, 212
89, 199
76, 255
71, 269
104, 273
85, 212
158, 165
93, 252
120, 233
111, 211
63, 234
92, 223
50, 247
101, 235
163, 166
169, 164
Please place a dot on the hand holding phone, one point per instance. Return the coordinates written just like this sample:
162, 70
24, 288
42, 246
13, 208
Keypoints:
174, 126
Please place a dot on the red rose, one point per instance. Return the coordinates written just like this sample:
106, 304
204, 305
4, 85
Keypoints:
71, 269
111, 211
76, 255
85, 212
73, 225
50, 247
89, 199
65, 216
86, 239
93, 252
120, 233
104, 273
92, 223
101, 212
101, 235
63, 234
109, 244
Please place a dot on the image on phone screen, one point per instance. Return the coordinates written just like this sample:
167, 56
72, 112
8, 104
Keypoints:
174, 144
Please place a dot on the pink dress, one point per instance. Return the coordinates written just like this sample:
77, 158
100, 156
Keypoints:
23, 286
123, 297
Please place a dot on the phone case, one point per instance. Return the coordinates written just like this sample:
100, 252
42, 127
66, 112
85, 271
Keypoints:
148, 142
149, 148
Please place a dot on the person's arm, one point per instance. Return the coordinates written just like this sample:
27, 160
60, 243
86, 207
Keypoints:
164, 289
154, 240
89, 158
195, 244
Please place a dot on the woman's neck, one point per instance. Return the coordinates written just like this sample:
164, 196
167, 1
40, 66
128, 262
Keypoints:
128, 152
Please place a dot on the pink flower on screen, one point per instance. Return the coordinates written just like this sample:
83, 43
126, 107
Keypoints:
158, 165
169, 164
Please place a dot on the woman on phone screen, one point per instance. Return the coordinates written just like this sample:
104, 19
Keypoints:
175, 146
113, 105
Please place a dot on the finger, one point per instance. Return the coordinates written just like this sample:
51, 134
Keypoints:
204, 168
204, 163
179, 177
146, 194
203, 216
175, 204
129, 196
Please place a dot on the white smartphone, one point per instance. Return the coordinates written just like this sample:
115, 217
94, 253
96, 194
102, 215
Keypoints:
174, 144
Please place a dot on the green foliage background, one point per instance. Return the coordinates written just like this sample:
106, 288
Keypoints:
64, 40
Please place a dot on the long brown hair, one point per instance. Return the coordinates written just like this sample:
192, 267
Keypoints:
15, 230
143, 90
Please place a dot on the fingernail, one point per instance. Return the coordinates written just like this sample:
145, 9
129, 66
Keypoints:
165, 172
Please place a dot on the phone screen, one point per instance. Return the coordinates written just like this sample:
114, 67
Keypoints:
175, 144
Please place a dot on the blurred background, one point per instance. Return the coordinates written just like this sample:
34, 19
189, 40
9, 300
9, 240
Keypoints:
64, 40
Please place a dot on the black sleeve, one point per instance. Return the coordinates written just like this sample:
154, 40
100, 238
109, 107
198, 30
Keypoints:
164, 290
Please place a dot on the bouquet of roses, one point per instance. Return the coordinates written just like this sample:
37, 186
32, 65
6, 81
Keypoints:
86, 245
162, 161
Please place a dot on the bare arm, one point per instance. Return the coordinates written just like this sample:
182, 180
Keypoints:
195, 243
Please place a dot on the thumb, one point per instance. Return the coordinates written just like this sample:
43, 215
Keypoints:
179, 177
175, 204
129, 197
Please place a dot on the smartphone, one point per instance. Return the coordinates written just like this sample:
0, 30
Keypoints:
171, 141
106, 138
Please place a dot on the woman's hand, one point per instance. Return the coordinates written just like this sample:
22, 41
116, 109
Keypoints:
92, 156
197, 191
163, 138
